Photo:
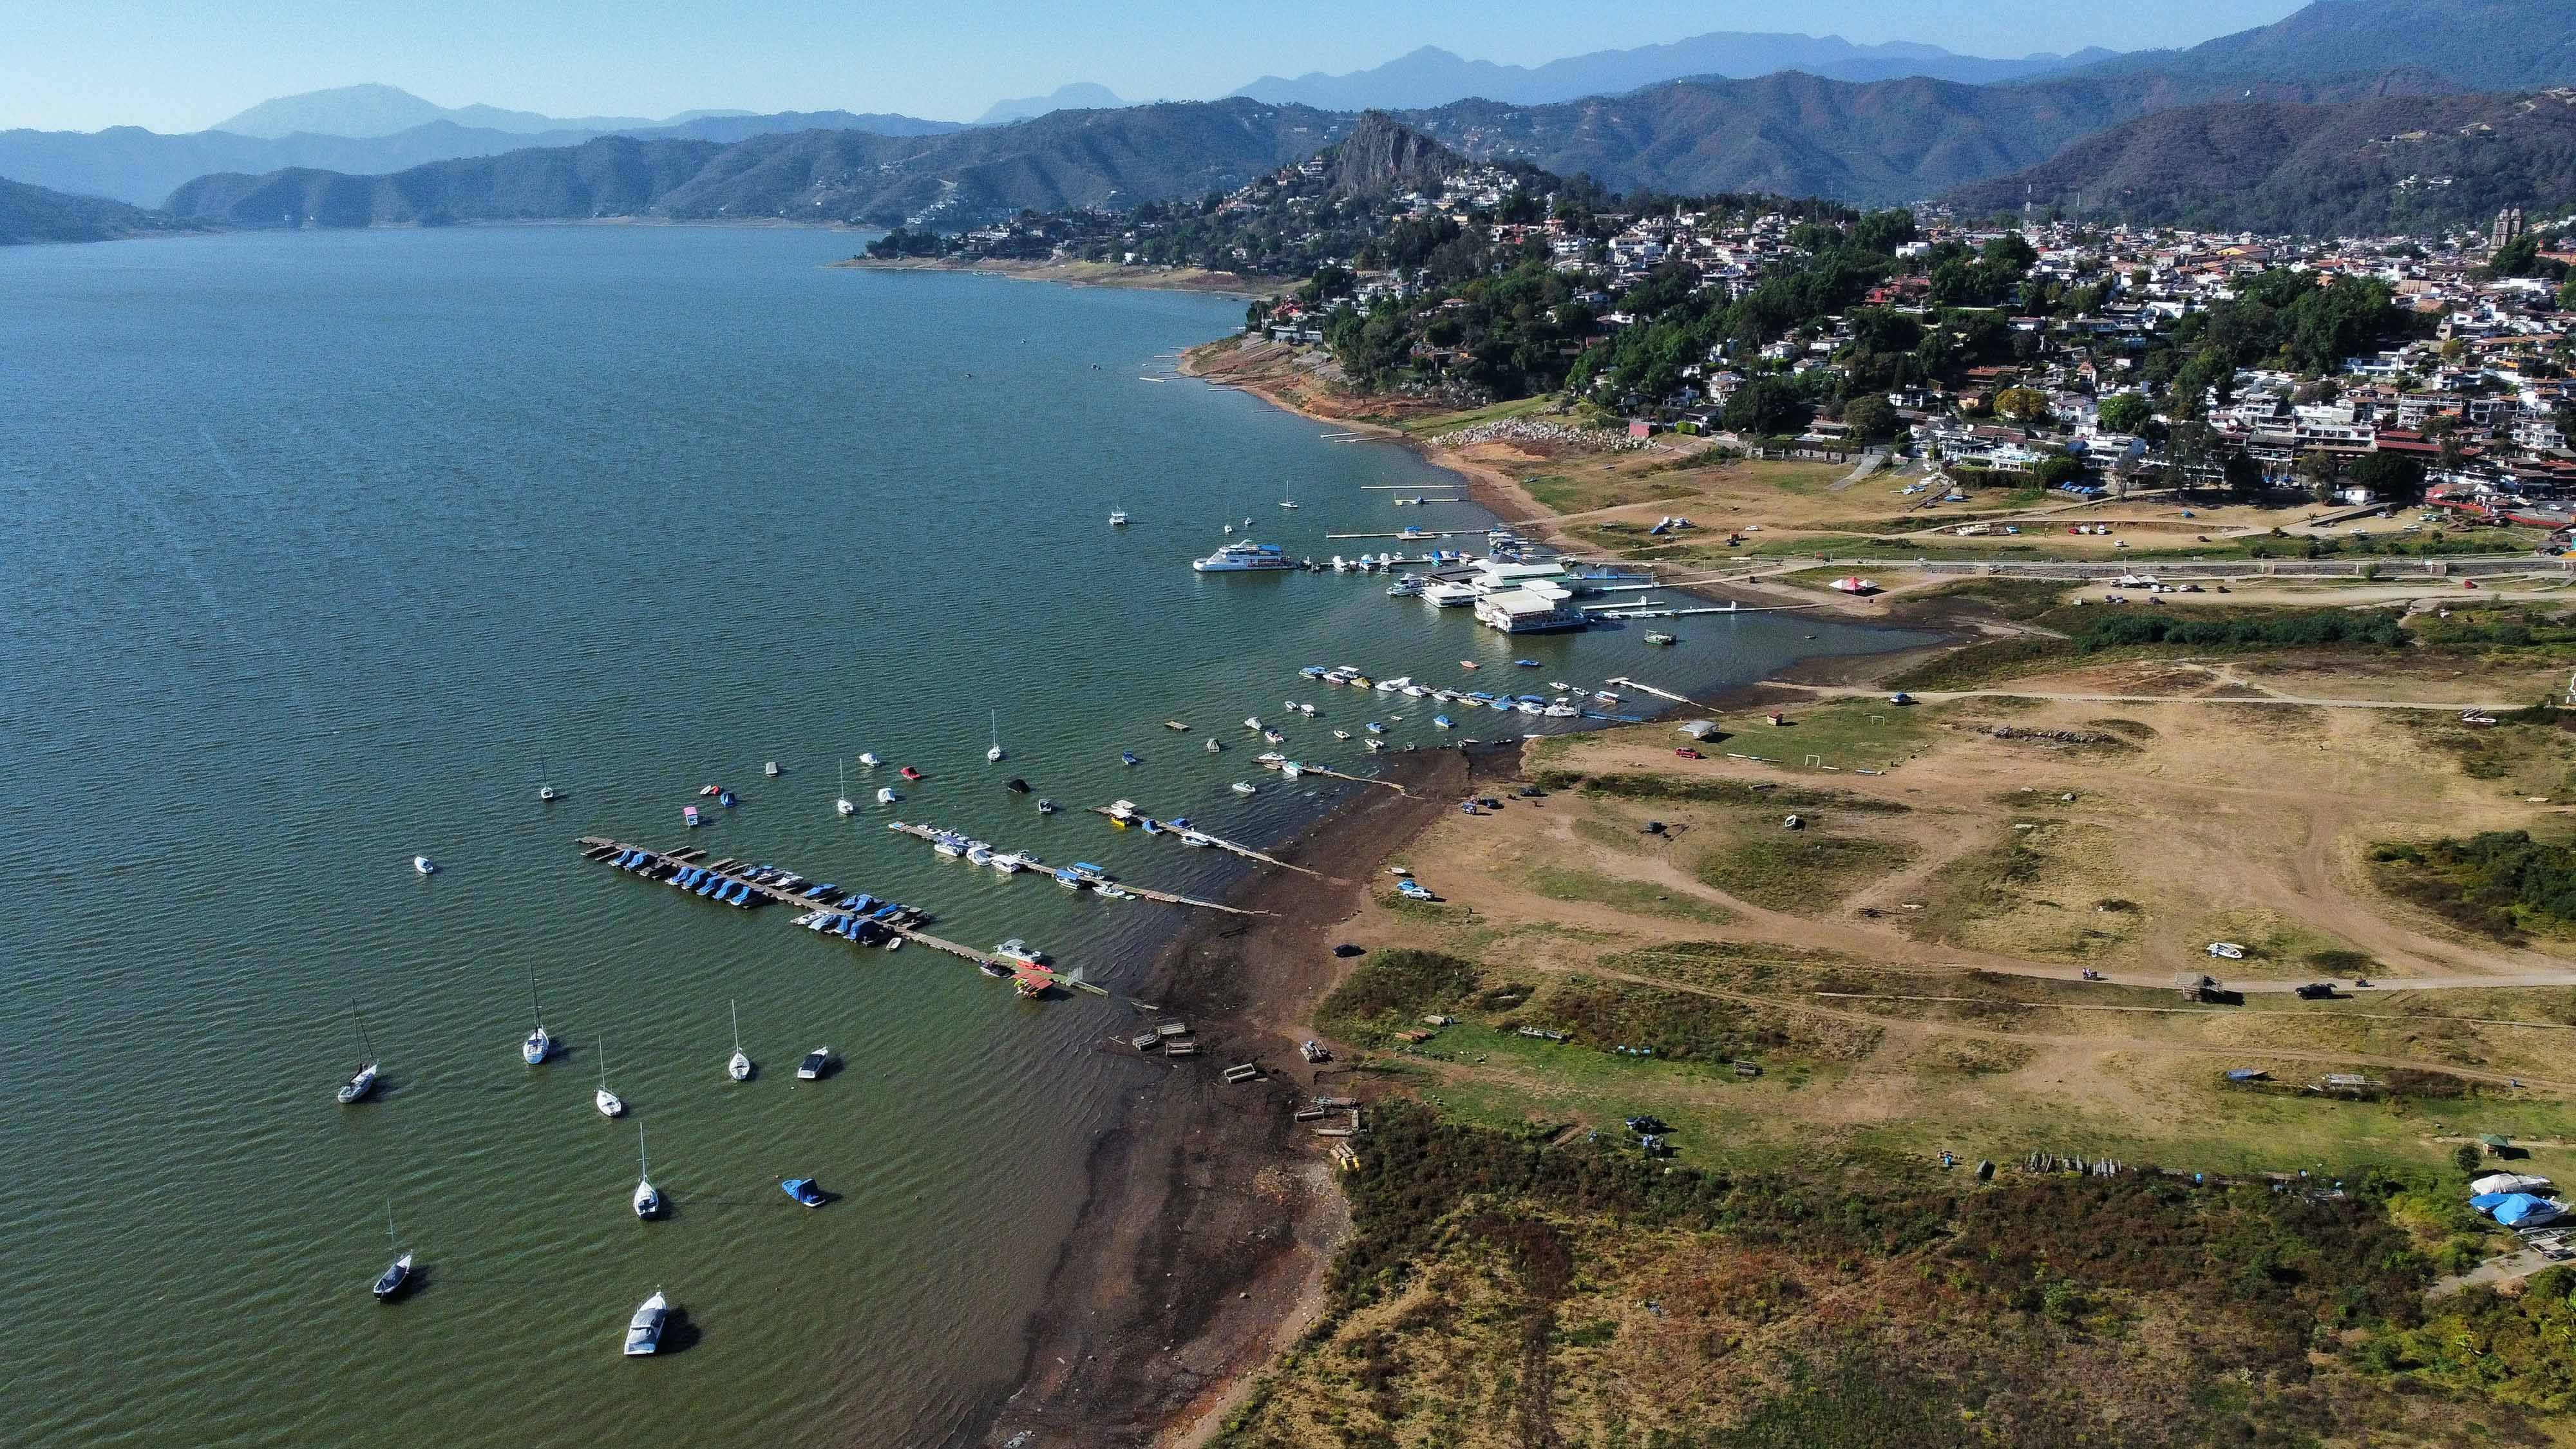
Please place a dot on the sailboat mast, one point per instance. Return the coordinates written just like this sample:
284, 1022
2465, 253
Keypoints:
366, 1048
536, 1013
737, 1024
643, 1162
389, 1226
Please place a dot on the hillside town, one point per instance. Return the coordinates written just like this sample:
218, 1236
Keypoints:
2349, 370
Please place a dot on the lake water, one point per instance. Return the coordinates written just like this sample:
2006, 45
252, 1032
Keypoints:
320, 547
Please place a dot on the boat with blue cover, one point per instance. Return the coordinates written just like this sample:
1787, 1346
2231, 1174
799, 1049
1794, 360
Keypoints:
803, 1190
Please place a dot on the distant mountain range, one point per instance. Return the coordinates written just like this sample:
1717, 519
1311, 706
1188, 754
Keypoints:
1080, 96
2493, 45
33, 214
365, 111
2400, 164
1432, 77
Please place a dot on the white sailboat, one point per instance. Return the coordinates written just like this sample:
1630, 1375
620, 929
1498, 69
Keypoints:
995, 753
739, 1068
390, 1283
1284, 501
648, 1198
545, 791
355, 1090
607, 1101
844, 805
538, 1044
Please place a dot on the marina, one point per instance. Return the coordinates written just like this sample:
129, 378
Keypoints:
1122, 813
742, 885
1081, 874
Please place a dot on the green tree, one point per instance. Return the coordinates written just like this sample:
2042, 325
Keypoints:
2567, 295
2467, 1158
2021, 404
2126, 412
2392, 476
1870, 418
1766, 405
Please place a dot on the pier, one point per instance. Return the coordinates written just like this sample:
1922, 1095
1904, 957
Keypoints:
1247, 852
1333, 774
1093, 879
1420, 533
1650, 689
663, 864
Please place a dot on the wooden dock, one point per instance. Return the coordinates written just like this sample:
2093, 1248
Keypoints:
1650, 689
596, 847
1330, 773
1095, 879
1415, 536
1247, 852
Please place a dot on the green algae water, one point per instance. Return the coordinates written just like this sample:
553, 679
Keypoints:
322, 550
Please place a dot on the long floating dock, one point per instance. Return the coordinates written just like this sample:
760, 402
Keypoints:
1306, 769
1247, 852
1092, 878
1416, 534
661, 865
1650, 689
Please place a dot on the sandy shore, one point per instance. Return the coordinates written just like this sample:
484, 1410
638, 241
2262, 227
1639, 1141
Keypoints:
1211, 1215
1092, 274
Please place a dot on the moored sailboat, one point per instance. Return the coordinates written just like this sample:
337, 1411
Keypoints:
390, 1284
739, 1066
538, 1045
608, 1102
648, 1199
355, 1090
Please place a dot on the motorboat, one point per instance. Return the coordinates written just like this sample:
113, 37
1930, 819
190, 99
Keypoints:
1274, 736
1660, 639
979, 855
1128, 757
1443, 722
1016, 785
1245, 787
1252, 721
424, 865
1046, 807
815, 1063
909, 773
1373, 727
390, 1284
869, 759
1526, 664
887, 796
1213, 746
803, 1190
771, 769
1020, 951
644, 1330
1341, 734
726, 799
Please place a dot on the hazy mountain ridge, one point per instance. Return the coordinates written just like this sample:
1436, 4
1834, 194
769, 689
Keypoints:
2489, 45
1079, 96
2374, 167
34, 214
1431, 77
364, 112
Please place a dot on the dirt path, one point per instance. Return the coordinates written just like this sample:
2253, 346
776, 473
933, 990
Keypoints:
1944, 696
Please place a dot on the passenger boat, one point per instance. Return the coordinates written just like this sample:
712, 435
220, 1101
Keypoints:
644, 1330
390, 1284
739, 1066
424, 865
803, 1190
1243, 556
355, 1090
647, 1200
816, 1062
608, 1102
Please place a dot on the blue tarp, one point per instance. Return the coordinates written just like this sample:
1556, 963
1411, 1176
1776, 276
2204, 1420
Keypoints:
2486, 1202
2520, 1207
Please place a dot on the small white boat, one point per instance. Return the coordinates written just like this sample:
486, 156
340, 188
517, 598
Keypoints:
608, 1102
869, 759
390, 1283
538, 1045
1341, 734
1118, 518
845, 805
1252, 721
1213, 747
887, 796
2227, 950
1283, 501
545, 792
1245, 787
994, 755
770, 769
424, 865
644, 1330
1021, 951
816, 1061
739, 1067
355, 1090
647, 1200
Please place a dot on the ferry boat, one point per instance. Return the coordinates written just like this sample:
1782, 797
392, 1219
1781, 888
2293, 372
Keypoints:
1244, 556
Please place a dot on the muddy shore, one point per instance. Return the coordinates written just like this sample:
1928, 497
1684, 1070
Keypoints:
1090, 274
1211, 1215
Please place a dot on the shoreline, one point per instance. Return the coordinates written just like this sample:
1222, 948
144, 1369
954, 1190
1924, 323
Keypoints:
1197, 280
1211, 1216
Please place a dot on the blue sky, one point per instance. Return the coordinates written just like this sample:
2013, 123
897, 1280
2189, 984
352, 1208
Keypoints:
178, 65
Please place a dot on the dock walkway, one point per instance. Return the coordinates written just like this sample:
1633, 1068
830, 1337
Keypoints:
1247, 852
1093, 878
1330, 773
596, 847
